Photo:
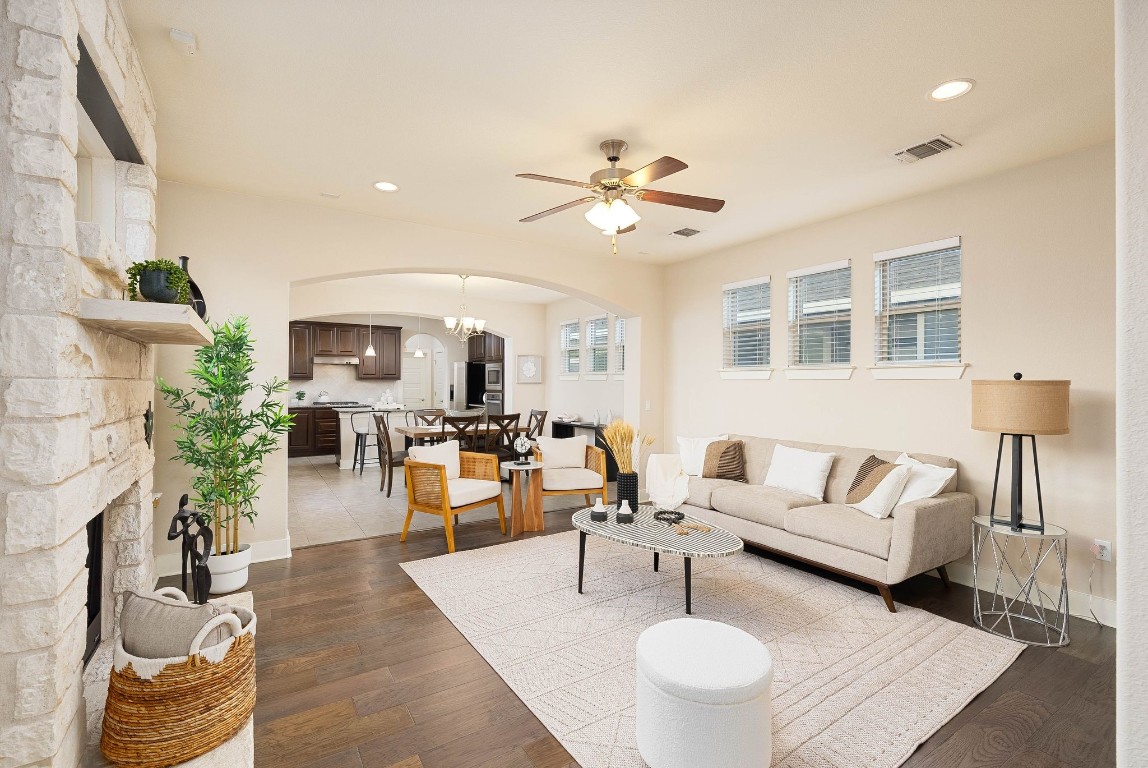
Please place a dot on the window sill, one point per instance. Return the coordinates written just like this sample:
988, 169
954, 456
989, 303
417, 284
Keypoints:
927, 371
568, 377
836, 373
738, 374
617, 377
594, 377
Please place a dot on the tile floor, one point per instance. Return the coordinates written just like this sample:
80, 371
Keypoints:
326, 504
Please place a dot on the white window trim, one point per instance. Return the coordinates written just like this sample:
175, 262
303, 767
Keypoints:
824, 372
615, 374
913, 250
738, 374
916, 371
830, 267
564, 375
595, 376
569, 377
586, 347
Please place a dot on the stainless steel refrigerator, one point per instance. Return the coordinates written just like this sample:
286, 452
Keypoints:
458, 386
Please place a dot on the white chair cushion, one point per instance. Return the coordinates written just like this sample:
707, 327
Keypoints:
560, 452
704, 661
465, 490
445, 454
570, 479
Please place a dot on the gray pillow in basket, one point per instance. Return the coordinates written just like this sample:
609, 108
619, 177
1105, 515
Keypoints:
158, 627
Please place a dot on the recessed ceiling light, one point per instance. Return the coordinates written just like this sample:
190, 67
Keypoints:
386, 186
951, 89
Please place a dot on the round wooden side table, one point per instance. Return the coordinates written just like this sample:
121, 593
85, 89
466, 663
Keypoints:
1021, 608
525, 514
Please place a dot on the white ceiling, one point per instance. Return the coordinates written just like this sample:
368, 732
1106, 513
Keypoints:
788, 110
477, 287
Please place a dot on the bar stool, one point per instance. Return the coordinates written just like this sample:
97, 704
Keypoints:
362, 432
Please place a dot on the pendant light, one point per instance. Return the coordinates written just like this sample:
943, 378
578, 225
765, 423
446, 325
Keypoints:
370, 350
419, 346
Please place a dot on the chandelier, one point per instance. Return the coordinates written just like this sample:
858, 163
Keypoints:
463, 326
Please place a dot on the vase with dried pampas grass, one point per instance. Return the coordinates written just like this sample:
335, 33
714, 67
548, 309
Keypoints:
627, 445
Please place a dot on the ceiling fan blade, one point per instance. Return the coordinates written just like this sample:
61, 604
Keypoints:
554, 179
659, 169
681, 201
630, 228
559, 208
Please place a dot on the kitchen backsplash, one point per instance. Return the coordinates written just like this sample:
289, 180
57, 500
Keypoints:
340, 383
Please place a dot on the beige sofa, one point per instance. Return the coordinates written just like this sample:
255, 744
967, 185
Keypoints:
918, 537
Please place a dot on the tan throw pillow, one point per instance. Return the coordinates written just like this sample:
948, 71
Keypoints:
877, 487
725, 460
158, 627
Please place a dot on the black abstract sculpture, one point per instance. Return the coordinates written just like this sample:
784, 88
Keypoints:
195, 530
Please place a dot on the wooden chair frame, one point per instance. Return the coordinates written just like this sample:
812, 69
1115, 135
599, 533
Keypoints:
427, 491
535, 423
596, 461
389, 458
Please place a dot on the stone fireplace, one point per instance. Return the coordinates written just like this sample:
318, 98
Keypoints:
74, 213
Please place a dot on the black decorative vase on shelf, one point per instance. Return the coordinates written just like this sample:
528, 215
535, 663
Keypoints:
628, 489
153, 286
196, 301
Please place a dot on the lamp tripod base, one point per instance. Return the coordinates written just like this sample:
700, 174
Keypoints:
1015, 521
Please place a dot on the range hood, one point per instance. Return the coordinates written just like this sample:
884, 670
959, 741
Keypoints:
336, 360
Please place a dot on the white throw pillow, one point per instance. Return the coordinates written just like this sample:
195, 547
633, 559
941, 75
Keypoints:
805, 472
443, 453
925, 480
693, 453
562, 452
884, 497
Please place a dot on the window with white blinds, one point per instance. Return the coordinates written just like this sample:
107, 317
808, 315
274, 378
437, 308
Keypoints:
619, 345
820, 308
571, 343
918, 304
597, 344
745, 324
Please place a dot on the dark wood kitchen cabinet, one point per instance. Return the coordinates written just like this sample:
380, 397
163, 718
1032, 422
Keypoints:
300, 356
302, 427
314, 432
326, 432
485, 348
334, 339
388, 360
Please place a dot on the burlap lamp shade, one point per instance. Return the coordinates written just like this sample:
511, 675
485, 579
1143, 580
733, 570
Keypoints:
1021, 407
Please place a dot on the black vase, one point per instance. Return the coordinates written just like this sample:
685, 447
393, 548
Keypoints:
628, 489
196, 296
153, 286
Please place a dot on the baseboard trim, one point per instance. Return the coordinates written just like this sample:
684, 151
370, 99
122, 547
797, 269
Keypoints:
275, 549
1105, 608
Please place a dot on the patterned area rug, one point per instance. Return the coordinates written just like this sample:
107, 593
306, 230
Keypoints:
854, 685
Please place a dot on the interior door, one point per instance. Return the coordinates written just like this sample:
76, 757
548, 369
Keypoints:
417, 382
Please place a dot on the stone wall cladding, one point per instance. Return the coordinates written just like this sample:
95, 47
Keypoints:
71, 398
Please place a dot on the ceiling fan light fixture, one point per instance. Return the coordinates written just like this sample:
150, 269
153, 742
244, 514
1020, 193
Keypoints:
611, 216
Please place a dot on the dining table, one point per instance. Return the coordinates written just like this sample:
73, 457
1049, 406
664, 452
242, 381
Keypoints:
421, 433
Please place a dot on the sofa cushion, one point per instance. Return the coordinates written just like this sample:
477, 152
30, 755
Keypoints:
570, 479
464, 490
759, 453
758, 503
925, 480
693, 453
702, 488
725, 459
560, 452
799, 471
445, 454
843, 526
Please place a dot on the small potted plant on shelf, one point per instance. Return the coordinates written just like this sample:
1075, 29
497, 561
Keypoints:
226, 442
159, 280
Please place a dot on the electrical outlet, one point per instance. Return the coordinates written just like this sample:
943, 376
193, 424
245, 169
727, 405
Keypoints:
1103, 550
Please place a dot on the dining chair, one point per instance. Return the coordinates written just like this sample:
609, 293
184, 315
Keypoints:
501, 434
426, 417
388, 457
464, 429
535, 423
362, 430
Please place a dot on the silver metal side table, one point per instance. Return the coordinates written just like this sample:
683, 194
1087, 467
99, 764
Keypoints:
1020, 607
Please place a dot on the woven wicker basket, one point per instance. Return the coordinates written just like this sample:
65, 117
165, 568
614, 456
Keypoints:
162, 712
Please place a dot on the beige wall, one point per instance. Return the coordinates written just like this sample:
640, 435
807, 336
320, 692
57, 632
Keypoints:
581, 394
1039, 285
248, 252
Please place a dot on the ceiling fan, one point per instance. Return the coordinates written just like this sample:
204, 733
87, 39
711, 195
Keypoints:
609, 188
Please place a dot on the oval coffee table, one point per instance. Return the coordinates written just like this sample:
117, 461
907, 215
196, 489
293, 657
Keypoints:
658, 537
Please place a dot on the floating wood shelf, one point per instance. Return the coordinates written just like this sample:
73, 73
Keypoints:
146, 322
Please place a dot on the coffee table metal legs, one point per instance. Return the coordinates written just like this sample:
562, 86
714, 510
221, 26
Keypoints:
655, 562
581, 558
688, 595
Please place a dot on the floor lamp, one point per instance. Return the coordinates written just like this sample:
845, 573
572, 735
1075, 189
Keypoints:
1018, 409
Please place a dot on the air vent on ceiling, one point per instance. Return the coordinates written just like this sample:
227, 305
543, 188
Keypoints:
934, 146
686, 232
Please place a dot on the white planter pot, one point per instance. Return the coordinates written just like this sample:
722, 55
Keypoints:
229, 572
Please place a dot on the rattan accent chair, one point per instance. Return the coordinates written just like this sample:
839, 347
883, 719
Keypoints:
428, 490
595, 461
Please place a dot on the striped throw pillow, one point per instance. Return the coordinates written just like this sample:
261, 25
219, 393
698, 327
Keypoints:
725, 460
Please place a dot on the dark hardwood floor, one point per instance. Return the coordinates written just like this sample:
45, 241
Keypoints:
358, 669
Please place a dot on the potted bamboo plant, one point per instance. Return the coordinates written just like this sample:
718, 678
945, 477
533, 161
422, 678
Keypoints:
226, 442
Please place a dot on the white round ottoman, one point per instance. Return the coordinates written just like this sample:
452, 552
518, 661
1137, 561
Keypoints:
703, 696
